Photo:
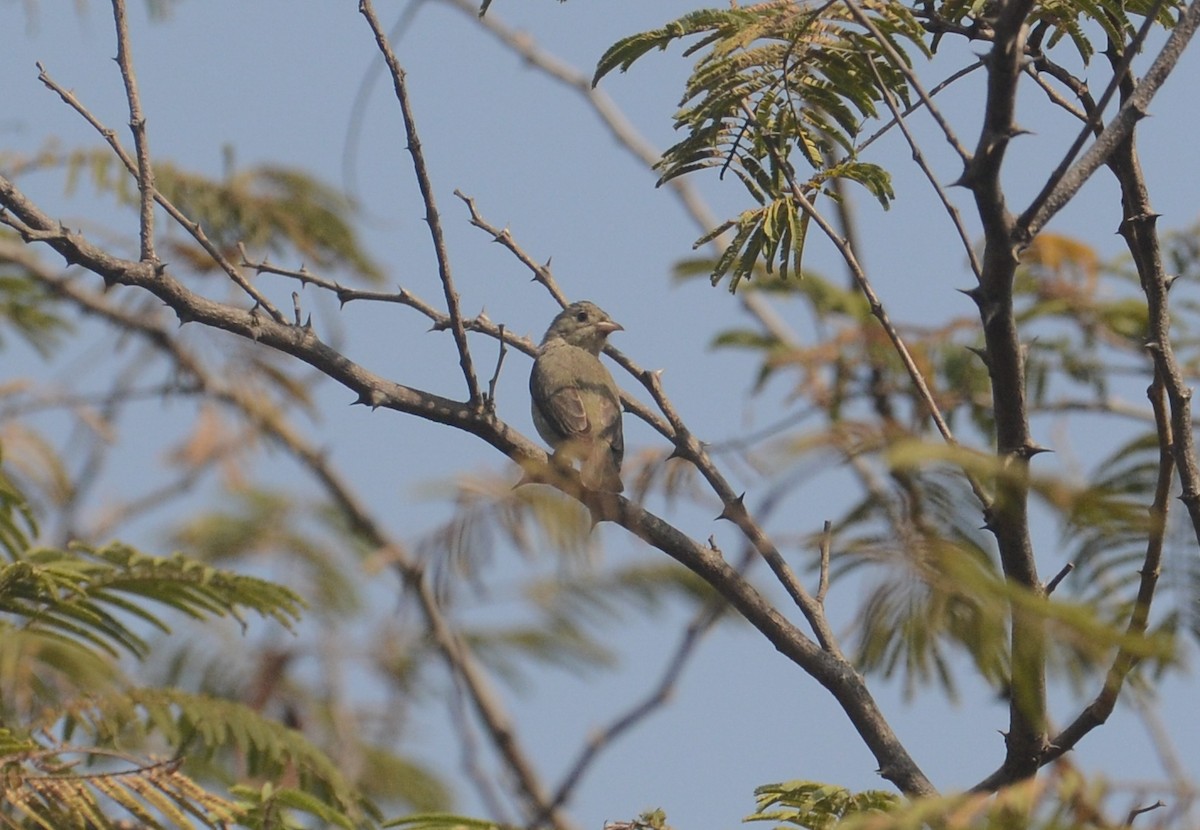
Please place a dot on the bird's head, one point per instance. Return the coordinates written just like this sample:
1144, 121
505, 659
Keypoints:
582, 324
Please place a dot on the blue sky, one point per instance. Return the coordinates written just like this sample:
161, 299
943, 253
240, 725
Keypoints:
275, 82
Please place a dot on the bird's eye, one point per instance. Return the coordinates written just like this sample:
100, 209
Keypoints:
581, 316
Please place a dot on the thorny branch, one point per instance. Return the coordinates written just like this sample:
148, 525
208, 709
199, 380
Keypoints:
462, 664
137, 123
827, 668
193, 228
432, 216
1133, 109
627, 138
880, 313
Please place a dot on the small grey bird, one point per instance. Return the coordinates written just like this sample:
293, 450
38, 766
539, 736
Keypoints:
575, 402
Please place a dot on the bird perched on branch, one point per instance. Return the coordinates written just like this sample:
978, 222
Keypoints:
575, 401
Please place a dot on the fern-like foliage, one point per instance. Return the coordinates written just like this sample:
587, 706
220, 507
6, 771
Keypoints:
202, 727
779, 87
277, 209
26, 308
812, 804
1078, 21
44, 786
94, 595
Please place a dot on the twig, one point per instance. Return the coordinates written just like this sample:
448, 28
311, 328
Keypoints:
137, 123
1066, 185
432, 217
491, 393
1093, 120
897, 60
919, 158
541, 273
825, 549
1059, 577
1137, 811
911, 108
1033, 72
880, 314
193, 228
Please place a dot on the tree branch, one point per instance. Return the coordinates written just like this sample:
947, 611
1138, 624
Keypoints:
193, 228
1133, 109
137, 123
1008, 518
831, 671
432, 217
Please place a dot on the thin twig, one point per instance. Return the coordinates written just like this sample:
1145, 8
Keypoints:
432, 217
916, 105
1065, 186
919, 158
901, 65
193, 228
825, 550
491, 393
137, 123
1059, 577
543, 276
1137, 811
502, 236
880, 314
1089, 127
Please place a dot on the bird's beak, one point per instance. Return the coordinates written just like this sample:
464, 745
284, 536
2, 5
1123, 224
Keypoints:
609, 326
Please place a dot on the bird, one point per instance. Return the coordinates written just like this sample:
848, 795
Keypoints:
575, 402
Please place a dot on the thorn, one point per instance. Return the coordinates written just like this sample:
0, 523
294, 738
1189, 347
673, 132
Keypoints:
975, 294
1169, 280
1030, 450
981, 354
676, 452
184, 314
738, 505
370, 397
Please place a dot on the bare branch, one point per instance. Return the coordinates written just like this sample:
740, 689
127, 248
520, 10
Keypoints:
829, 669
541, 273
137, 123
432, 217
826, 546
919, 158
1064, 188
175, 213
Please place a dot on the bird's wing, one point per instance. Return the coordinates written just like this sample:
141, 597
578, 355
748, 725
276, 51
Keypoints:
567, 412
